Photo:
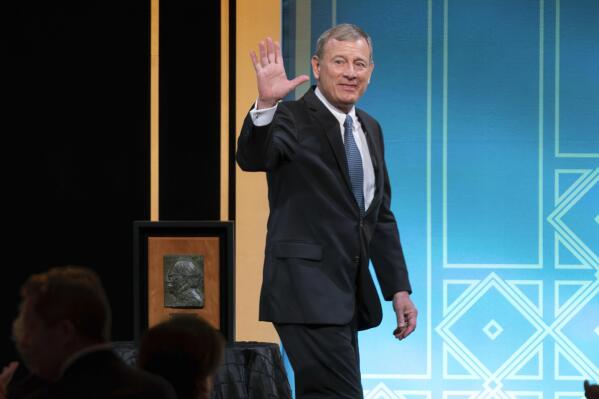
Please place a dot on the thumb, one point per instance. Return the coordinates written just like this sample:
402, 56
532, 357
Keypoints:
401, 318
8, 370
401, 324
400, 314
298, 81
401, 321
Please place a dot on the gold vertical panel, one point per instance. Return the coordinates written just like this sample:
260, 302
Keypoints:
224, 110
333, 13
154, 58
253, 23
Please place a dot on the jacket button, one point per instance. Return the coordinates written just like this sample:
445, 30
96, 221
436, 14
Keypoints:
361, 223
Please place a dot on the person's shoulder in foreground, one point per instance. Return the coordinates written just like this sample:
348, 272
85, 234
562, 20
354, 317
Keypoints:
102, 374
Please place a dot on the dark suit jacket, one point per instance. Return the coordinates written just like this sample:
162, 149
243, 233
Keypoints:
317, 246
25, 385
102, 374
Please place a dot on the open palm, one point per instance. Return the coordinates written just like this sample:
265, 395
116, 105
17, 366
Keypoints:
272, 80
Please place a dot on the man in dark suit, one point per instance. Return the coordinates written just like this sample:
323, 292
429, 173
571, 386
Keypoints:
329, 198
62, 335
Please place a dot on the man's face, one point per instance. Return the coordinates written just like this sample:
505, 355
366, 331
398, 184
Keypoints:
39, 344
174, 281
343, 72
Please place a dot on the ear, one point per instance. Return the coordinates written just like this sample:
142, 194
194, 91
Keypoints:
371, 67
315, 66
67, 330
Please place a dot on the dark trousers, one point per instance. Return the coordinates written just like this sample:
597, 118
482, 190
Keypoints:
325, 360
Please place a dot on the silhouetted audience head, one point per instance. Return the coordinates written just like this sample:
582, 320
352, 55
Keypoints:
62, 311
186, 351
591, 391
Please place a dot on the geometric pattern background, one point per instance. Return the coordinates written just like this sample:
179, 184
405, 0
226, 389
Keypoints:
490, 112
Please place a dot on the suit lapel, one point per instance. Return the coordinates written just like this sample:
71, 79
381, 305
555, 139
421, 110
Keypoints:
375, 152
330, 126
370, 129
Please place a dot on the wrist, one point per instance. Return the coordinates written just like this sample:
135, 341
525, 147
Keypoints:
265, 103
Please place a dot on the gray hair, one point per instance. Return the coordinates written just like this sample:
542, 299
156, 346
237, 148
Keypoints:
342, 32
185, 268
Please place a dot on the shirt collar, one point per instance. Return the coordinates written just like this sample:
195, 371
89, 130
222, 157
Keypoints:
337, 113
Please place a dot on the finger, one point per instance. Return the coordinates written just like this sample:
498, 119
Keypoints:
401, 326
263, 57
278, 53
409, 330
411, 324
270, 50
255, 62
401, 316
400, 333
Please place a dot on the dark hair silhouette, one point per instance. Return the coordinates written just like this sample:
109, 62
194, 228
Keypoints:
185, 351
72, 293
591, 391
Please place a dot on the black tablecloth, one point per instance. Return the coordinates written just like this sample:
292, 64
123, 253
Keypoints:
250, 370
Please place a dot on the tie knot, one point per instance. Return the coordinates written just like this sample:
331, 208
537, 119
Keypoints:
349, 123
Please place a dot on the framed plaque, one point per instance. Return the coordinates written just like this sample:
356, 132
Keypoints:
184, 267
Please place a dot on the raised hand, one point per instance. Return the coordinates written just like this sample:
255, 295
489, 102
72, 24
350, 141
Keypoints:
6, 376
272, 80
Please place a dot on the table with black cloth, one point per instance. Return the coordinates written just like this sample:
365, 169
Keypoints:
250, 370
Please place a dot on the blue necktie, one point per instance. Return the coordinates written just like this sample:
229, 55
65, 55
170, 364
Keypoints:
354, 164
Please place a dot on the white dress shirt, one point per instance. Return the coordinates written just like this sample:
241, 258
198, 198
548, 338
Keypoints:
262, 117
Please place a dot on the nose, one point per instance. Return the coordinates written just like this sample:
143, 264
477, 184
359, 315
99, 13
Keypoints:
350, 71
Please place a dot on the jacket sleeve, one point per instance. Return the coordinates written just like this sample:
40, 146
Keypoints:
386, 252
263, 148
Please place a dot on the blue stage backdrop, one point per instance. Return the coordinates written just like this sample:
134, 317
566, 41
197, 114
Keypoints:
490, 111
